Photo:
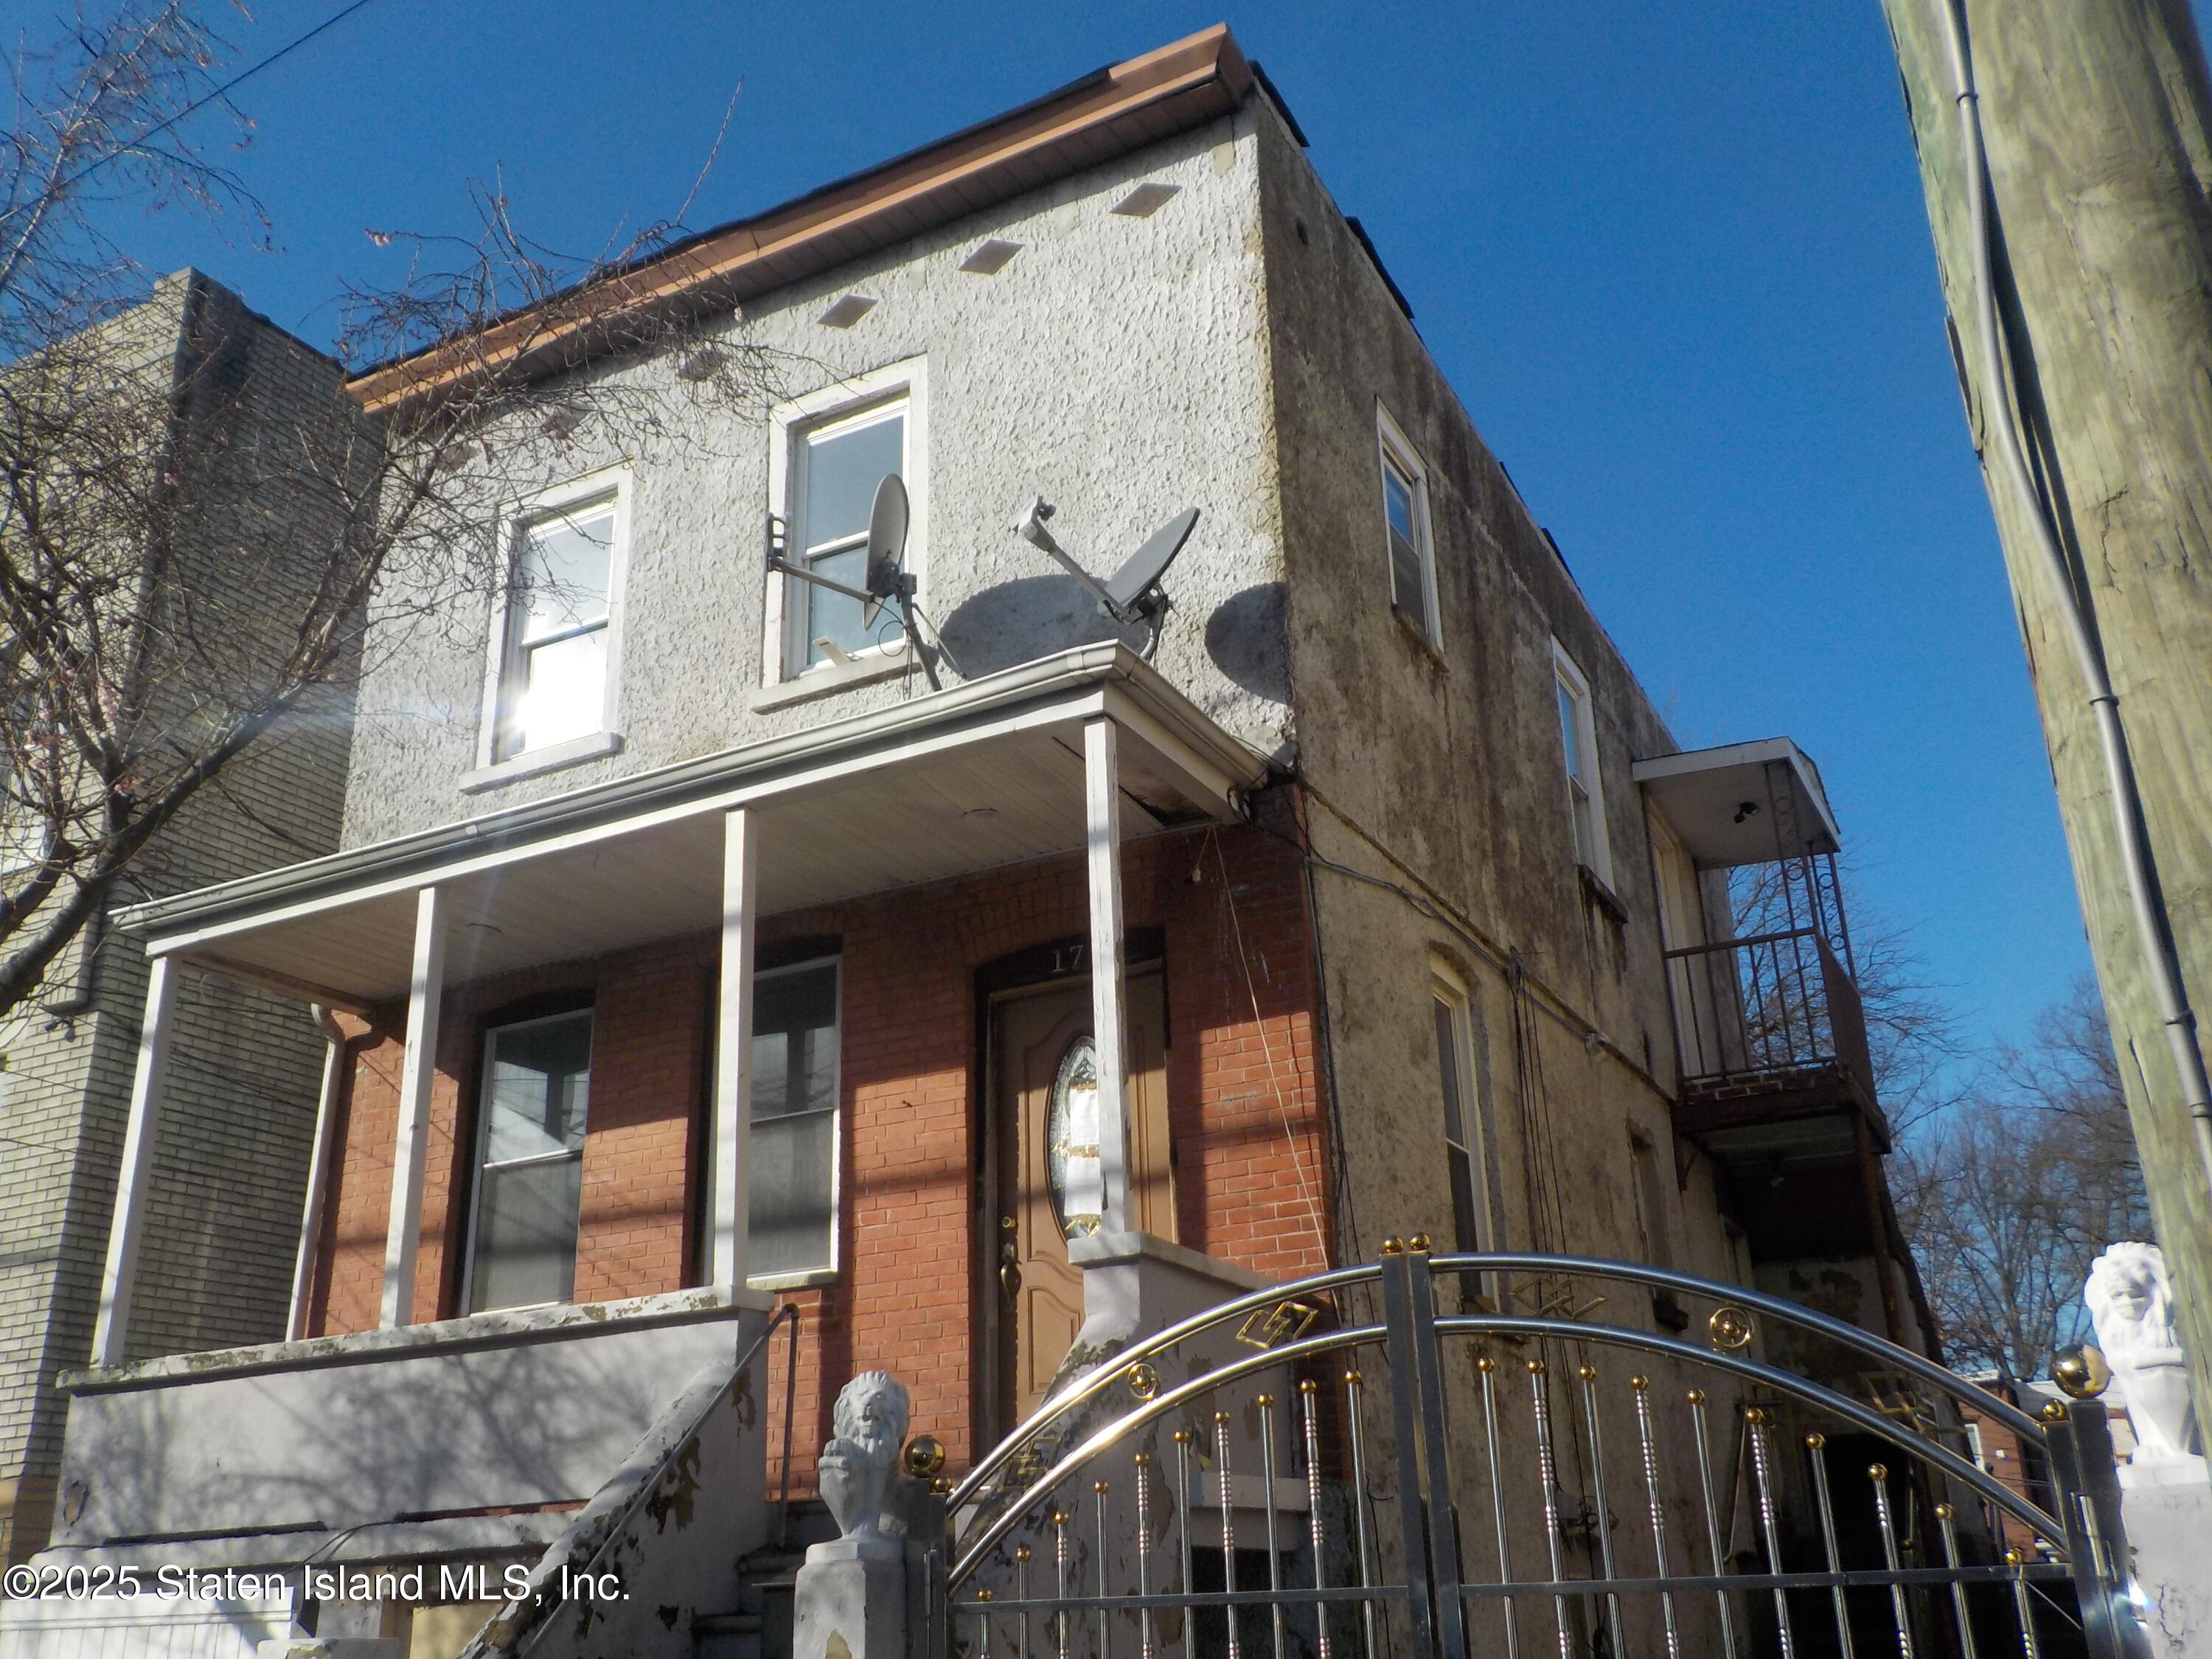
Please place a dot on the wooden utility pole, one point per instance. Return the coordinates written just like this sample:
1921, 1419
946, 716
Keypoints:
2096, 121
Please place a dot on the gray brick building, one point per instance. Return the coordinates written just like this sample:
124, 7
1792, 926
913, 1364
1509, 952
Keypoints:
218, 1266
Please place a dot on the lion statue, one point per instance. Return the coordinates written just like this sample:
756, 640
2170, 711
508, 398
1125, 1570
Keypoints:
857, 1466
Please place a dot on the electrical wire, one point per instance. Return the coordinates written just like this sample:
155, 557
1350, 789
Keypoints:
2138, 863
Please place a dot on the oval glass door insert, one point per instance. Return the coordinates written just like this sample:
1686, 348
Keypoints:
1078, 1185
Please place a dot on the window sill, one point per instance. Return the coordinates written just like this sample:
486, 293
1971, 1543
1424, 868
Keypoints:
801, 1281
1419, 636
823, 679
1594, 885
551, 758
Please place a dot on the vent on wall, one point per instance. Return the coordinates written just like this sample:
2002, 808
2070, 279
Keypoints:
991, 257
1144, 201
850, 309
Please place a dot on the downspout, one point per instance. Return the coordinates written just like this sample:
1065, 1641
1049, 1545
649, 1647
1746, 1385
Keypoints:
319, 1169
2137, 862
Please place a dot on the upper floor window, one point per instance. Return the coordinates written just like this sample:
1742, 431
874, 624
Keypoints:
530, 1161
1578, 739
793, 1181
833, 449
554, 657
1406, 528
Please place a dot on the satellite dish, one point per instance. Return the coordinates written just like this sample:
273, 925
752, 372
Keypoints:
887, 526
1134, 594
1134, 586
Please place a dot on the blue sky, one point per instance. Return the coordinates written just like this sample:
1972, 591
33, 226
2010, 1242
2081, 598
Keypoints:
1674, 259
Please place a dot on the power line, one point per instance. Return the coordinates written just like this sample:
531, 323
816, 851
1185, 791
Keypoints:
222, 91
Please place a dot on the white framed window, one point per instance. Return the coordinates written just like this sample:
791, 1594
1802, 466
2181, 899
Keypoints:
1578, 743
1463, 1087
556, 651
793, 1233
1405, 527
527, 1202
831, 450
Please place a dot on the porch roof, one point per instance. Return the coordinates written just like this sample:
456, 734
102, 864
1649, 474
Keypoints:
1744, 803
981, 776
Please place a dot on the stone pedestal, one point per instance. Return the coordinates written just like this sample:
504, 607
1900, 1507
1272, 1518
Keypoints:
2170, 1529
849, 1601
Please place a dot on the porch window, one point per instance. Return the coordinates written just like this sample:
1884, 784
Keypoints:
553, 673
793, 1184
530, 1157
839, 466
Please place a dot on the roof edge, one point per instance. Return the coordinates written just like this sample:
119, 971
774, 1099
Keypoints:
1190, 81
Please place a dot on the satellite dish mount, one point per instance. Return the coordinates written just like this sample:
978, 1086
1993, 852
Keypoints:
886, 579
1132, 593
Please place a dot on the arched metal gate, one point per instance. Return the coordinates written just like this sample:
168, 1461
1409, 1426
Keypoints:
1441, 1457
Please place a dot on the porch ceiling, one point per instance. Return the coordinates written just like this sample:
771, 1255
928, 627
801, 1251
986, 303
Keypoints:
968, 780
1746, 802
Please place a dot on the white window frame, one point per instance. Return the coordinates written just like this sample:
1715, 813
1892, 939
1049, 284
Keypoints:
824, 1275
1395, 451
483, 1139
514, 521
1567, 676
789, 424
1448, 991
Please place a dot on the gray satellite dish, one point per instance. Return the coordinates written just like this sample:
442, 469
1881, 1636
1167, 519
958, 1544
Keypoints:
887, 522
1132, 593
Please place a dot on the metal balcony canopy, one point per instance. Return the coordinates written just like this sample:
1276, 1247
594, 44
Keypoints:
1744, 803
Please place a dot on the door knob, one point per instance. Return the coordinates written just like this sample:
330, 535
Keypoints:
1010, 1281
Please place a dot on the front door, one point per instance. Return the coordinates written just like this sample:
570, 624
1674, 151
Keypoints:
1043, 1071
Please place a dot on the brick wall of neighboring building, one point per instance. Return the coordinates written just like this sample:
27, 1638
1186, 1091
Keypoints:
1243, 1099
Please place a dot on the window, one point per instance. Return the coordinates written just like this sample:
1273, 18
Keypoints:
530, 1161
1578, 738
1460, 1077
794, 1185
832, 451
1405, 529
554, 655
1651, 1226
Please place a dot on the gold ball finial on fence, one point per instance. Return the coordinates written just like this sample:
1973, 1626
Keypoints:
1309, 1386
1485, 1363
924, 1457
1184, 1437
1100, 1487
1535, 1368
1221, 1417
1587, 1373
1022, 1554
1877, 1473
1944, 1512
1353, 1378
2081, 1373
1639, 1383
1755, 1416
1394, 1245
1266, 1402
1815, 1441
2015, 1557
2054, 1413
1697, 1397
1419, 1244
984, 1594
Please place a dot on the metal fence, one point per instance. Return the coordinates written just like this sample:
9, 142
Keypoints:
1430, 1457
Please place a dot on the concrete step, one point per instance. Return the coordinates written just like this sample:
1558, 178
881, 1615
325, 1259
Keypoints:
727, 1636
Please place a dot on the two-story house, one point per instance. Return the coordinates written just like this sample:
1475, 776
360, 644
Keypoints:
695, 956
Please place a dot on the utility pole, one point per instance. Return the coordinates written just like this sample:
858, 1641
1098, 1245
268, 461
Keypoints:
2087, 265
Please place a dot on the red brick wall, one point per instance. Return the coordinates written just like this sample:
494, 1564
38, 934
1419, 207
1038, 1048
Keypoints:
1242, 1101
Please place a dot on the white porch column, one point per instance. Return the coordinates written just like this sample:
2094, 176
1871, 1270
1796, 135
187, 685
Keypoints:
417, 1072
113, 1331
1102, 794
733, 1053
319, 1175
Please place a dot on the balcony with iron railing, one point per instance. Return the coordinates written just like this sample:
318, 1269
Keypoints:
1768, 1027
